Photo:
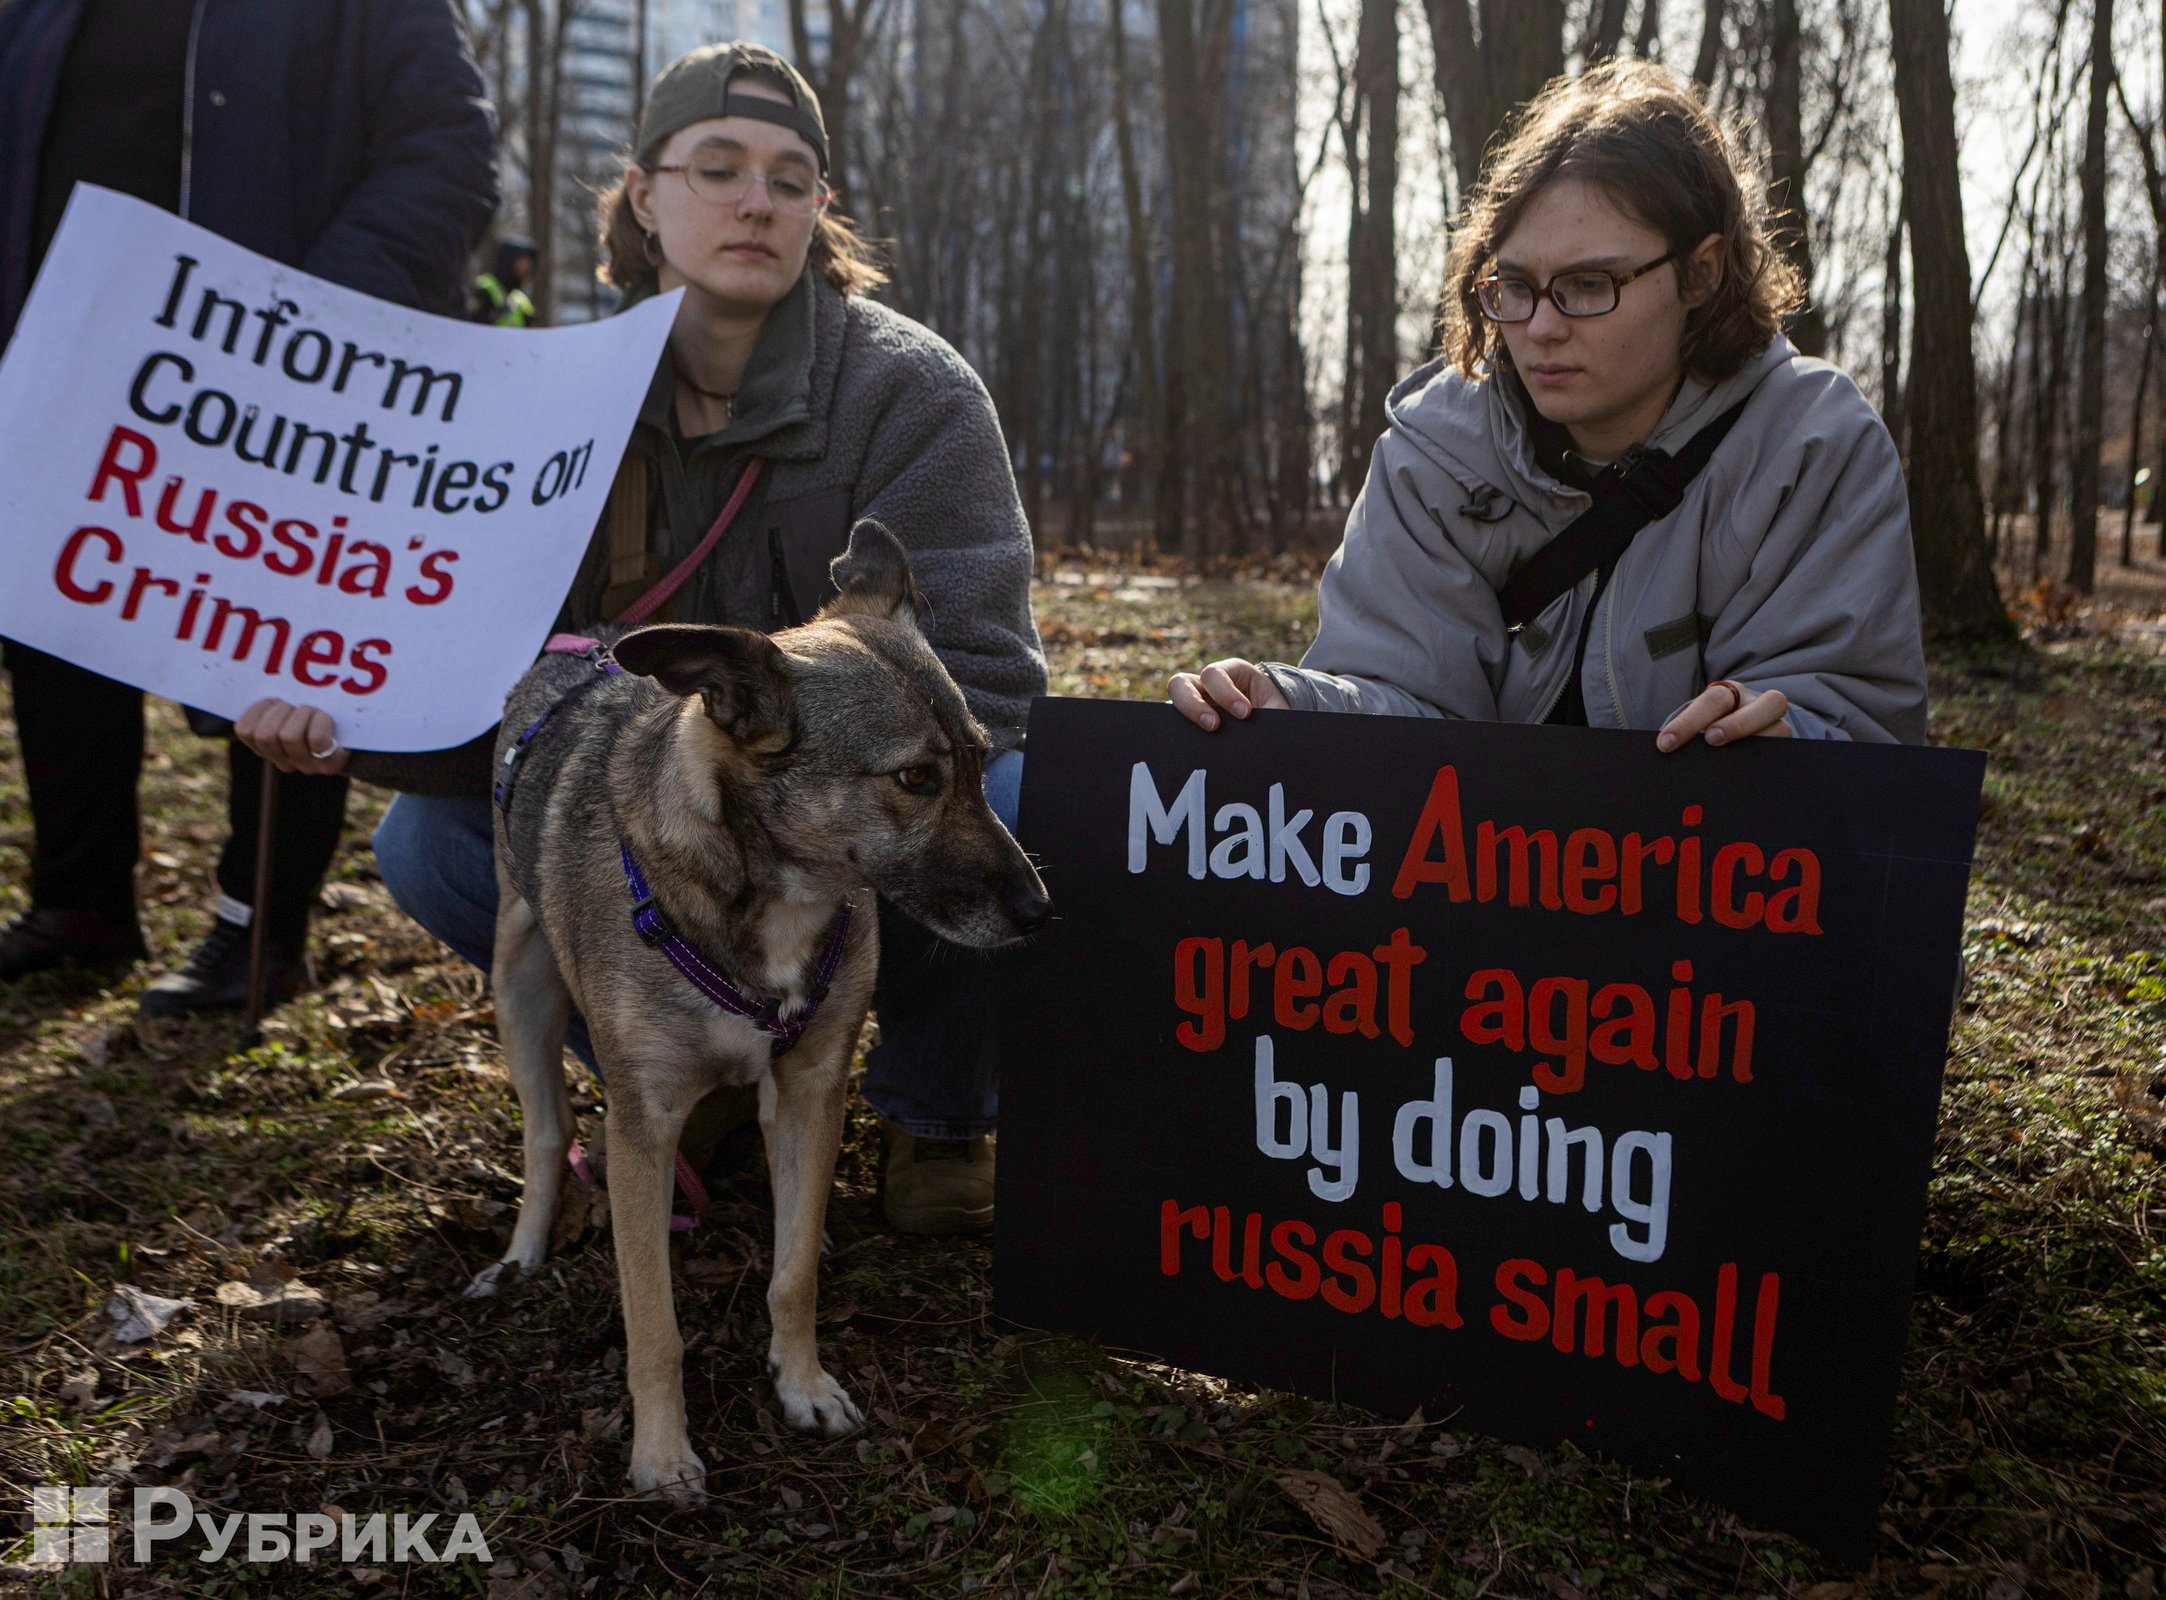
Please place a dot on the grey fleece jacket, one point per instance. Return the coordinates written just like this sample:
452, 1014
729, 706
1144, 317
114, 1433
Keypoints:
1788, 566
857, 412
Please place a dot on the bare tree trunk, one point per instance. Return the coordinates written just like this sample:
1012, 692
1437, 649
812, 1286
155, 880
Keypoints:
1605, 29
544, 68
1351, 455
2042, 422
1374, 269
2158, 265
2005, 456
1891, 330
1955, 573
1194, 36
1154, 463
2091, 379
850, 26
2049, 416
1787, 163
1647, 42
1704, 65
1481, 80
2135, 425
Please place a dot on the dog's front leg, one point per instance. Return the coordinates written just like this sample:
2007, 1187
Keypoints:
532, 1008
801, 1116
642, 1145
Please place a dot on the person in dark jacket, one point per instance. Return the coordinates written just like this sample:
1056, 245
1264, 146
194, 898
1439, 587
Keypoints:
349, 138
852, 410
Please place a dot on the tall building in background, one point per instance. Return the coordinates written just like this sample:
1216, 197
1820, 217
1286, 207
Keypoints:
680, 25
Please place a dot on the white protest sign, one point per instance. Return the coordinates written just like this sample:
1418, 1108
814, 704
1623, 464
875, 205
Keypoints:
222, 479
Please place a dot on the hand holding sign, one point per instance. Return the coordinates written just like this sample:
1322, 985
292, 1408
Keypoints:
292, 738
231, 483
1233, 686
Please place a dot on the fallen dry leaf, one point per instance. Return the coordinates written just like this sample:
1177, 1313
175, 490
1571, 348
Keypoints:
319, 1357
319, 1441
139, 1316
1336, 1511
291, 1301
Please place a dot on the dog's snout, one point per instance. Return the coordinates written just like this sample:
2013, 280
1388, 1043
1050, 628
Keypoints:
1024, 899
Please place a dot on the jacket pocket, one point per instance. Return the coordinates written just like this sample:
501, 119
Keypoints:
804, 534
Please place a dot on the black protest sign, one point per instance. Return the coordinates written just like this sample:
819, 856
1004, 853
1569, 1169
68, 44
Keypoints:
1522, 1074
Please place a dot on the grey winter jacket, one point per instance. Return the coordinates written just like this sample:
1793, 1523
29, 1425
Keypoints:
857, 412
1788, 566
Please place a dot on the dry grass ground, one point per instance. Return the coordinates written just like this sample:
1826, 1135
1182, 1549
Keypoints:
367, 1149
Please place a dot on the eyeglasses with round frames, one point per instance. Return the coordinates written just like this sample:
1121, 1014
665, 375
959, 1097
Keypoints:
1584, 292
723, 183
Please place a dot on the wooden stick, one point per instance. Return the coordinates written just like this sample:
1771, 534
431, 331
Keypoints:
259, 920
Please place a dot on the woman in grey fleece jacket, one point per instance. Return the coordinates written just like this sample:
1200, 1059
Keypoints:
853, 411
1613, 293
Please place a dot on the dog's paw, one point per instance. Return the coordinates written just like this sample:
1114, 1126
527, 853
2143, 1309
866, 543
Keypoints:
517, 1263
820, 1405
492, 1278
674, 1473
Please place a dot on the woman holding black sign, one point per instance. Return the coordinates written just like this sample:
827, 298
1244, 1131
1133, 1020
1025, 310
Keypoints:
1619, 498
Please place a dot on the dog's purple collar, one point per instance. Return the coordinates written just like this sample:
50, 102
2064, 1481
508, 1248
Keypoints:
655, 929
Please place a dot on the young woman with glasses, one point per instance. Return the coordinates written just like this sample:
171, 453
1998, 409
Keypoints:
848, 410
1612, 294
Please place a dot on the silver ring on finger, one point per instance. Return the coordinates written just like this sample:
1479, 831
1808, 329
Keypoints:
325, 754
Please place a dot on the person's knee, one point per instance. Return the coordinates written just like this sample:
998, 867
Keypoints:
427, 850
400, 857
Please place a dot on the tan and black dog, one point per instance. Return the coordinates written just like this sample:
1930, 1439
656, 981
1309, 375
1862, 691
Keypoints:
723, 811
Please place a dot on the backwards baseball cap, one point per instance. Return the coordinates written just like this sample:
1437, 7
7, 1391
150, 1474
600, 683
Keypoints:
695, 87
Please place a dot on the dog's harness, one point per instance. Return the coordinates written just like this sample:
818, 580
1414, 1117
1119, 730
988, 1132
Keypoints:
649, 921
656, 931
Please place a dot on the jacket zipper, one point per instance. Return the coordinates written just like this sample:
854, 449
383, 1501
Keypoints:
1609, 659
188, 108
1563, 684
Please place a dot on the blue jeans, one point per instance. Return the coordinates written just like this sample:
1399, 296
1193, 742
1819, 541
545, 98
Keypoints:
936, 1070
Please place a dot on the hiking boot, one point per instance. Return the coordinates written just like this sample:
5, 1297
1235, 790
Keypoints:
215, 977
41, 939
938, 1185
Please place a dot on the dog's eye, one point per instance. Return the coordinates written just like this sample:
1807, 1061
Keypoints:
918, 780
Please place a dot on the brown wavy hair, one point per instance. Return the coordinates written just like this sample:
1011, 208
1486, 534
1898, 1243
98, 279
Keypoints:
839, 253
1648, 142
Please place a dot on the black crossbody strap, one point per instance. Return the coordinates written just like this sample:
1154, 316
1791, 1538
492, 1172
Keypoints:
1645, 485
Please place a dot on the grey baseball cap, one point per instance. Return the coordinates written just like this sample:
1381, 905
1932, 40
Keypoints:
696, 86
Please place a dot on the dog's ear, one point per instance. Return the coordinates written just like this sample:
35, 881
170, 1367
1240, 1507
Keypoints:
873, 576
739, 672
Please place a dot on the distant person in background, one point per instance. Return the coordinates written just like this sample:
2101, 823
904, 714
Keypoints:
500, 295
348, 138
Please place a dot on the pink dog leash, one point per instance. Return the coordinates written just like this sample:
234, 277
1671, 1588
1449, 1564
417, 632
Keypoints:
695, 1192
